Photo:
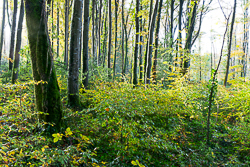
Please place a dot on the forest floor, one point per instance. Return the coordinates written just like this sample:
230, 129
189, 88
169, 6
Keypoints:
122, 126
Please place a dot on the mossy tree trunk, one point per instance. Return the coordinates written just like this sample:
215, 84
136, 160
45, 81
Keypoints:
47, 93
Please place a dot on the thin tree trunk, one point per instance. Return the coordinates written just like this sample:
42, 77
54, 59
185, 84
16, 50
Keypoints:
188, 44
171, 32
123, 26
137, 29
116, 15
58, 28
73, 85
93, 32
105, 38
110, 38
156, 41
230, 43
99, 34
66, 33
18, 44
146, 48
2, 31
140, 51
179, 40
7, 10
13, 35
85, 48
47, 94
52, 25
150, 43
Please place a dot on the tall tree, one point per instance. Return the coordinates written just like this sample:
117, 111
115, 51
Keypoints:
47, 92
171, 31
99, 33
93, 33
123, 26
230, 43
179, 40
156, 41
116, 16
2, 30
110, 36
141, 50
245, 40
137, 29
150, 44
66, 38
85, 48
18, 44
58, 29
73, 78
188, 44
146, 47
13, 34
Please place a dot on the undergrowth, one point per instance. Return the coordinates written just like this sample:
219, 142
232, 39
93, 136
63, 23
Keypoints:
126, 126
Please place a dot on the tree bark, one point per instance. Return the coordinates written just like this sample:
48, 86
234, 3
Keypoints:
58, 29
230, 43
46, 90
85, 48
2, 31
93, 32
66, 38
150, 43
188, 43
156, 41
73, 78
99, 34
171, 33
13, 34
146, 48
110, 37
140, 51
116, 15
18, 44
123, 26
137, 29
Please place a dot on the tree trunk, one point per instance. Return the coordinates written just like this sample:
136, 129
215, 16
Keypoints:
13, 34
46, 90
66, 38
2, 30
18, 44
179, 40
116, 15
99, 34
146, 48
73, 79
93, 33
137, 29
171, 33
156, 41
58, 29
105, 38
188, 44
123, 26
110, 38
140, 51
230, 43
150, 43
85, 48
